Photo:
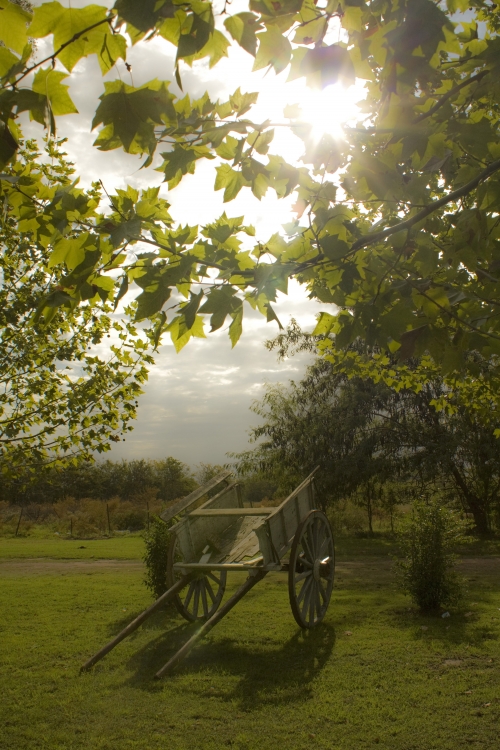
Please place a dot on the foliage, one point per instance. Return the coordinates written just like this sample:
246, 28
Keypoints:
399, 224
155, 556
63, 394
377, 446
140, 481
428, 538
328, 421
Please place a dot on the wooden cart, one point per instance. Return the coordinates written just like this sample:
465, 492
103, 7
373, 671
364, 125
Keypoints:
222, 535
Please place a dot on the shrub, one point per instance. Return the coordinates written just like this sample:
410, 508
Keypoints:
155, 556
428, 537
346, 517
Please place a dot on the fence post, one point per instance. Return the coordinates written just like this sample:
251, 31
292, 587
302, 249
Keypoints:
109, 522
19, 522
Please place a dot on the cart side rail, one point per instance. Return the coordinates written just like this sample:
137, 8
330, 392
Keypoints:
185, 502
195, 532
277, 532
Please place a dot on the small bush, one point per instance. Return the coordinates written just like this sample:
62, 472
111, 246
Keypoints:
428, 537
347, 518
155, 556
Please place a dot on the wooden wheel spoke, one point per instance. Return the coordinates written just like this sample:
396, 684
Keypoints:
307, 597
305, 562
210, 590
190, 593
324, 544
204, 598
196, 600
305, 586
307, 550
311, 543
311, 569
312, 602
200, 598
300, 576
322, 591
316, 529
319, 603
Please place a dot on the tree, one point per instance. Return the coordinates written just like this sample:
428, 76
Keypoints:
456, 454
328, 421
374, 444
61, 398
399, 226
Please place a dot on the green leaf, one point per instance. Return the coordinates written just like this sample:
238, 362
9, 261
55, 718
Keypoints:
13, 25
220, 303
180, 161
189, 309
236, 327
67, 23
145, 15
229, 179
151, 300
8, 144
201, 29
243, 28
324, 325
242, 102
274, 49
47, 82
131, 114
334, 248
7, 60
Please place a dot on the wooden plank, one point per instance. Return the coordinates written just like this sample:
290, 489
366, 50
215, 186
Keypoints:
231, 512
185, 502
209, 624
218, 566
135, 623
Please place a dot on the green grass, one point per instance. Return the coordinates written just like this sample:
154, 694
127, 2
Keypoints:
115, 548
256, 682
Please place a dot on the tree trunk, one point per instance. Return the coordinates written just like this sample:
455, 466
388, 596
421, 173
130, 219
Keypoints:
369, 508
474, 505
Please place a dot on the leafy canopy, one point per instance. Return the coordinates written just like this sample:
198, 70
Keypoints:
63, 394
400, 230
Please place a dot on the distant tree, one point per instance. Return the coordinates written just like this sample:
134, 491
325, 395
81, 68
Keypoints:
166, 479
173, 479
324, 420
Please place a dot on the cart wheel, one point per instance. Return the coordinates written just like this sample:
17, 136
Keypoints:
200, 598
311, 571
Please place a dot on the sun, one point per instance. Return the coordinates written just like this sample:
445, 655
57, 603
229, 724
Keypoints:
328, 110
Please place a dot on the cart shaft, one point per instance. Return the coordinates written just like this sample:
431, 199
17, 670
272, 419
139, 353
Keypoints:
136, 623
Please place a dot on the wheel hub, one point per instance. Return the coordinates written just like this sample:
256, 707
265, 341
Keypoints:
316, 570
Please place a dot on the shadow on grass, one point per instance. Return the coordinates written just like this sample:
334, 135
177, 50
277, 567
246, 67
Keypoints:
454, 630
268, 675
272, 676
159, 620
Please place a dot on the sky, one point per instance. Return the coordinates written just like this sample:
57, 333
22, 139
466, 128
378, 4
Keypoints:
196, 405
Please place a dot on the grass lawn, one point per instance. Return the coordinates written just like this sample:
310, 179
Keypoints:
375, 674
